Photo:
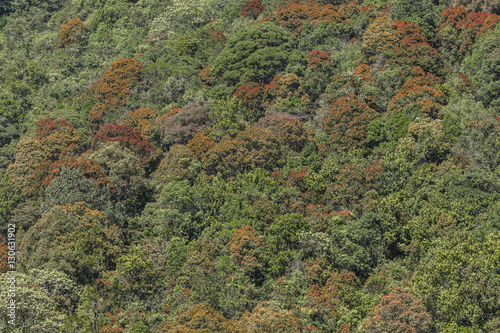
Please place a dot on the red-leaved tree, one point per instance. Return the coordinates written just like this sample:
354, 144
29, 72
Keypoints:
418, 97
128, 138
252, 9
347, 122
460, 29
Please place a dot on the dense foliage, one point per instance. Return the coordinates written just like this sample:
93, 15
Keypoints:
250, 166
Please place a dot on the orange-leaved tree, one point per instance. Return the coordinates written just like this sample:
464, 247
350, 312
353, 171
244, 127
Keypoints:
252, 148
399, 312
200, 144
200, 318
58, 138
324, 304
267, 318
418, 97
113, 89
4, 266
54, 140
71, 32
347, 122
289, 131
350, 185
45, 172
142, 120
294, 15
459, 30
245, 251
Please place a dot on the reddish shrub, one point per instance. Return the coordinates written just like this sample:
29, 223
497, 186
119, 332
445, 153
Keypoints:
252, 9
181, 127
128, 138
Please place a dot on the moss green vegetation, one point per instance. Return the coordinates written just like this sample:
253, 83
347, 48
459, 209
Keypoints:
250, 166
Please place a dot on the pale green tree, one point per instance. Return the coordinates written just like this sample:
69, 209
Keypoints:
459, 282
43, 298
184, 14
124, 171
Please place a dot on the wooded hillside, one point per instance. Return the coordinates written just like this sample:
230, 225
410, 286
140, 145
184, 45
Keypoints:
250, 166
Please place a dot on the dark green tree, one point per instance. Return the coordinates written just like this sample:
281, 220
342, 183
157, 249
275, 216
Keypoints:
10, 196
483, 67
424, 13
257, 54
71, 187
124, 171
282, 241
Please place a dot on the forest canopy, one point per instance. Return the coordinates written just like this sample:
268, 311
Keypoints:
250, 166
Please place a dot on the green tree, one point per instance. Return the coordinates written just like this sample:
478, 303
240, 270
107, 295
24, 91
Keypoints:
430, 139
71, 187
424, 13
175, 213
181, 15
282, 242
73, 239
257, 54
7, 6
10, 196
138, 275
476, 125
44, 299
8, 133
483, 67
357, 245
489, 6
177, 165
227, 117
459, 281
124, 171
